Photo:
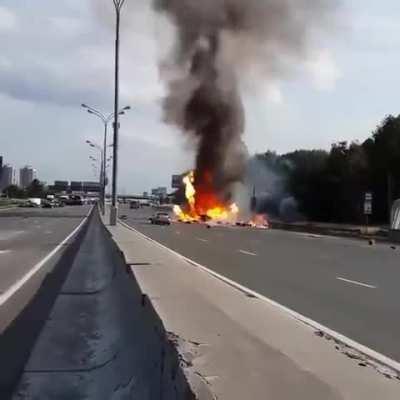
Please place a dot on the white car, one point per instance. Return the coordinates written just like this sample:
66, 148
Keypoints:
160, 218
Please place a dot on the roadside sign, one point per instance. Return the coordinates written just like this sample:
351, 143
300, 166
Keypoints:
368, 208
176, 181
368, 203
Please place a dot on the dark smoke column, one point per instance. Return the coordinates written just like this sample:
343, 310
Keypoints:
215, 116
217, 42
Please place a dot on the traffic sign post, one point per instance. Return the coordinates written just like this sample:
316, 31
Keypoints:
367, 207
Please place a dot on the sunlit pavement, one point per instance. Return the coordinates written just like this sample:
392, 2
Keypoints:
344, 284
28, 234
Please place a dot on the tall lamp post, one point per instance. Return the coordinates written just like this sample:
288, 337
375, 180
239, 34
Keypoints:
114, 210
102, 171
106, 120
95, 167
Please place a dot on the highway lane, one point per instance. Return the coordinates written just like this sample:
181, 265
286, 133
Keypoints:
27, 235
344, 284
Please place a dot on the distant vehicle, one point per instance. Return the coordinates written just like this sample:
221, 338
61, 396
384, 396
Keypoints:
36, 202
48, 204
29, 204
59, 203
74, 200
160, 218
134, 204
91, 201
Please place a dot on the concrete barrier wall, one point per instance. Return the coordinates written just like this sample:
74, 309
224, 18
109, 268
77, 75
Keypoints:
102, 340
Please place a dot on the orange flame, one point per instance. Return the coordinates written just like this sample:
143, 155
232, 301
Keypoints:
203, 205
259, 221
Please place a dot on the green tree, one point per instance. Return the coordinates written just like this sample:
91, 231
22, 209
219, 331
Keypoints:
36, 189
383, 151
14, 192
307, 183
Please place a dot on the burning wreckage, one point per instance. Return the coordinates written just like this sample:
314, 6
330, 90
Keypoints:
220, 43
207, 208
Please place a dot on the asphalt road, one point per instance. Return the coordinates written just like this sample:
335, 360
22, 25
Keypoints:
344, 284
28, 234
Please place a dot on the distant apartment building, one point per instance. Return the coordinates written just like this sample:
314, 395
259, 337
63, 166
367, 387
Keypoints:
26, 176
159, 192
7, 172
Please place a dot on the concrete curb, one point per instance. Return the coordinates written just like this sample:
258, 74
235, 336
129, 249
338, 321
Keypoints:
322, 330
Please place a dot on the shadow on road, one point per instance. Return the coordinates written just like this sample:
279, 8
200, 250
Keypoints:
17, 340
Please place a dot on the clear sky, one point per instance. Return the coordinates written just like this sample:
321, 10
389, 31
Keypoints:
57, 54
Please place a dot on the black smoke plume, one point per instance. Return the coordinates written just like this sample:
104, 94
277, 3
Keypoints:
220, 44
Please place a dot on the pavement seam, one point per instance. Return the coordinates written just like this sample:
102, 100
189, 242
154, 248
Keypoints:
372, 354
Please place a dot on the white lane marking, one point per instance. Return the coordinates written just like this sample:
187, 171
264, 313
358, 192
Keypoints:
4, 251
4, 297
248, 253
202, 240
356, 282
381, 358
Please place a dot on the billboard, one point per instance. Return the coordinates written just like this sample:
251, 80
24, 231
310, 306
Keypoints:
176, 181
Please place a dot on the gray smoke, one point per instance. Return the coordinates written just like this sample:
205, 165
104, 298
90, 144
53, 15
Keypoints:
268, 182
220, 44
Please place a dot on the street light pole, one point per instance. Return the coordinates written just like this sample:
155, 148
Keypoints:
114, 206
102, 172
106, 120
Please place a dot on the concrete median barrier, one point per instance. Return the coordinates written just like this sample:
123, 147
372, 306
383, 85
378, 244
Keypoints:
100, 340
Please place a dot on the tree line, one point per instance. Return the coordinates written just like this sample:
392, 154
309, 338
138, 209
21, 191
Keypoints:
331, 185
35, 189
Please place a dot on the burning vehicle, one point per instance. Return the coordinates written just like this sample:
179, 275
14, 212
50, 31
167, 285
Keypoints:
220, 46
209, 209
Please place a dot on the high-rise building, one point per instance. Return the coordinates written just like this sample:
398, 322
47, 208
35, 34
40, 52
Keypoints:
26, 176
6, 176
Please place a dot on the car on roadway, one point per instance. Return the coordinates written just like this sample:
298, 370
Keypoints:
48, 204
160, 218
32, 203
75, 200
134, 204
28, 204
